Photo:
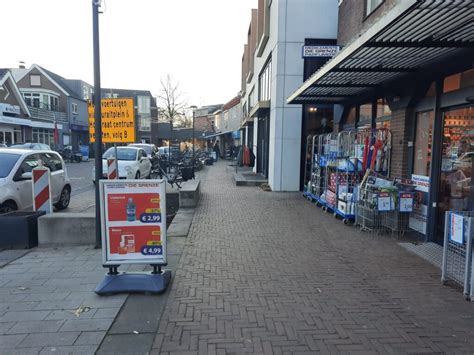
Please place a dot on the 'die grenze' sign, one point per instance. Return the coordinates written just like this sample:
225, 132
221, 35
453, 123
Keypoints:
118, 121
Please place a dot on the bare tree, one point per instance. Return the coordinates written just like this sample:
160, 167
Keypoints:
172, 103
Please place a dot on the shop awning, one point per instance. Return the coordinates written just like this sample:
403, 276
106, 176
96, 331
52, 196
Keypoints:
27, 122
217, 134
413, 35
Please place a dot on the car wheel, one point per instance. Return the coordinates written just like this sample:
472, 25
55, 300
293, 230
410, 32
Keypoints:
8, 206
64, 199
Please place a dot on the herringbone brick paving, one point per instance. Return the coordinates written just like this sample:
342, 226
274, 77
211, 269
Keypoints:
266, 272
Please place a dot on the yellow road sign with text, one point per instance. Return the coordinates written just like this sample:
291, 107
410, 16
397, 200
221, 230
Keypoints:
118, 121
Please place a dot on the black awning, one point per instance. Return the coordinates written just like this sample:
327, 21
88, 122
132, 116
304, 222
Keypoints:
413, 35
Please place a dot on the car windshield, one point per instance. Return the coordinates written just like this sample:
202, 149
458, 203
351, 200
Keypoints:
8, 161
123, 154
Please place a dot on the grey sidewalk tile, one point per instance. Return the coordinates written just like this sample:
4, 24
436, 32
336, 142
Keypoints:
5, 327
58, 305
106, 313
90, 338
11, 341
30, 327
17, 306
65, 282
47, 296
66, 314
49, 339
85, 325
24, 316
35, 350
68, 350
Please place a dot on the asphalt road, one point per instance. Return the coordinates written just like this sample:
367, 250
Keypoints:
81, 176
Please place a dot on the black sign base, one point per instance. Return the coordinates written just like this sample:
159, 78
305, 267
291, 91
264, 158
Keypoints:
124, 282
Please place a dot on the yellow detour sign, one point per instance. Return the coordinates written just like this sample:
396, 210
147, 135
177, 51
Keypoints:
118, 121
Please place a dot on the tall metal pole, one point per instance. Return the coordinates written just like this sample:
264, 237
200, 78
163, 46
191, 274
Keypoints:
97, 121
194, 157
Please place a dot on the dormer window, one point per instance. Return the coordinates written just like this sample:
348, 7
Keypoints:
35, 80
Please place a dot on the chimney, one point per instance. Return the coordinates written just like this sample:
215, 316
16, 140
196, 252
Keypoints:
21, 65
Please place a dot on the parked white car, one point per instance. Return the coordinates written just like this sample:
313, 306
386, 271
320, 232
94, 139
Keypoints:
16, 190
133, 163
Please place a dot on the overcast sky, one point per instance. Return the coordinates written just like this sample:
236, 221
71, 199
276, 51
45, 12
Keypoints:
198, 42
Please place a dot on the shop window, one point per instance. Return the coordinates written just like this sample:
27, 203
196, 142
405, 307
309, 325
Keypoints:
458, 81
351, 117
431, 90
423, 142
372, 5
383, 110
365, 114
456, 163
264, 82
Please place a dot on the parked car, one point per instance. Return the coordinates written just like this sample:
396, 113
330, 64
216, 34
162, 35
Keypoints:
133, 163
165, 150
15, 178
151, 151
33, 146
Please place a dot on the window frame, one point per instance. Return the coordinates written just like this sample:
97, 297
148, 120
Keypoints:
74, 108
369, 10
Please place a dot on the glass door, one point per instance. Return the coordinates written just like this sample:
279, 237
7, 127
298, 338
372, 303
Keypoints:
457, 155
422, 170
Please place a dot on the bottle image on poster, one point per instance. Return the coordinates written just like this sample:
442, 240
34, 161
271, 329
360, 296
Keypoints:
131, 210
134, 229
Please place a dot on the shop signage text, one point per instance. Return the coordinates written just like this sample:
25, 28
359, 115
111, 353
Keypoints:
11, 109
320, 51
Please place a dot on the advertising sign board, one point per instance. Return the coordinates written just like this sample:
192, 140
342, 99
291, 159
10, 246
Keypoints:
419, 215
133, 222
118, 121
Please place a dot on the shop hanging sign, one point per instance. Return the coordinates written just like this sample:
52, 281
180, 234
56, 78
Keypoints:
118, 120
456, 230
320, 51
133, 222
384, 202
406, 202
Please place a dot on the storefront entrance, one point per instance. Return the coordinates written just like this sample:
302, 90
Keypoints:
263, 137
455, 190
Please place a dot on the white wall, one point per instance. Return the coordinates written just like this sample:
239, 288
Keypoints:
291, 21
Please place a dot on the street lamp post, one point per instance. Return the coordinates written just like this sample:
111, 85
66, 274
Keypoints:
97, 120
194, 140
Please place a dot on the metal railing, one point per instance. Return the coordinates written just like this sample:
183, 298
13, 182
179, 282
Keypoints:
47, 114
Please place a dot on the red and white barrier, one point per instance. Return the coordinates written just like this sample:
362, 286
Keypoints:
112, 169
42, 190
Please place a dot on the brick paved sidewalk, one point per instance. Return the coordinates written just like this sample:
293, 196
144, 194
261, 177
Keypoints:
266, 272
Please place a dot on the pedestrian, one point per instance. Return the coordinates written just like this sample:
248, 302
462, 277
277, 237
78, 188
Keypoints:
217, 150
